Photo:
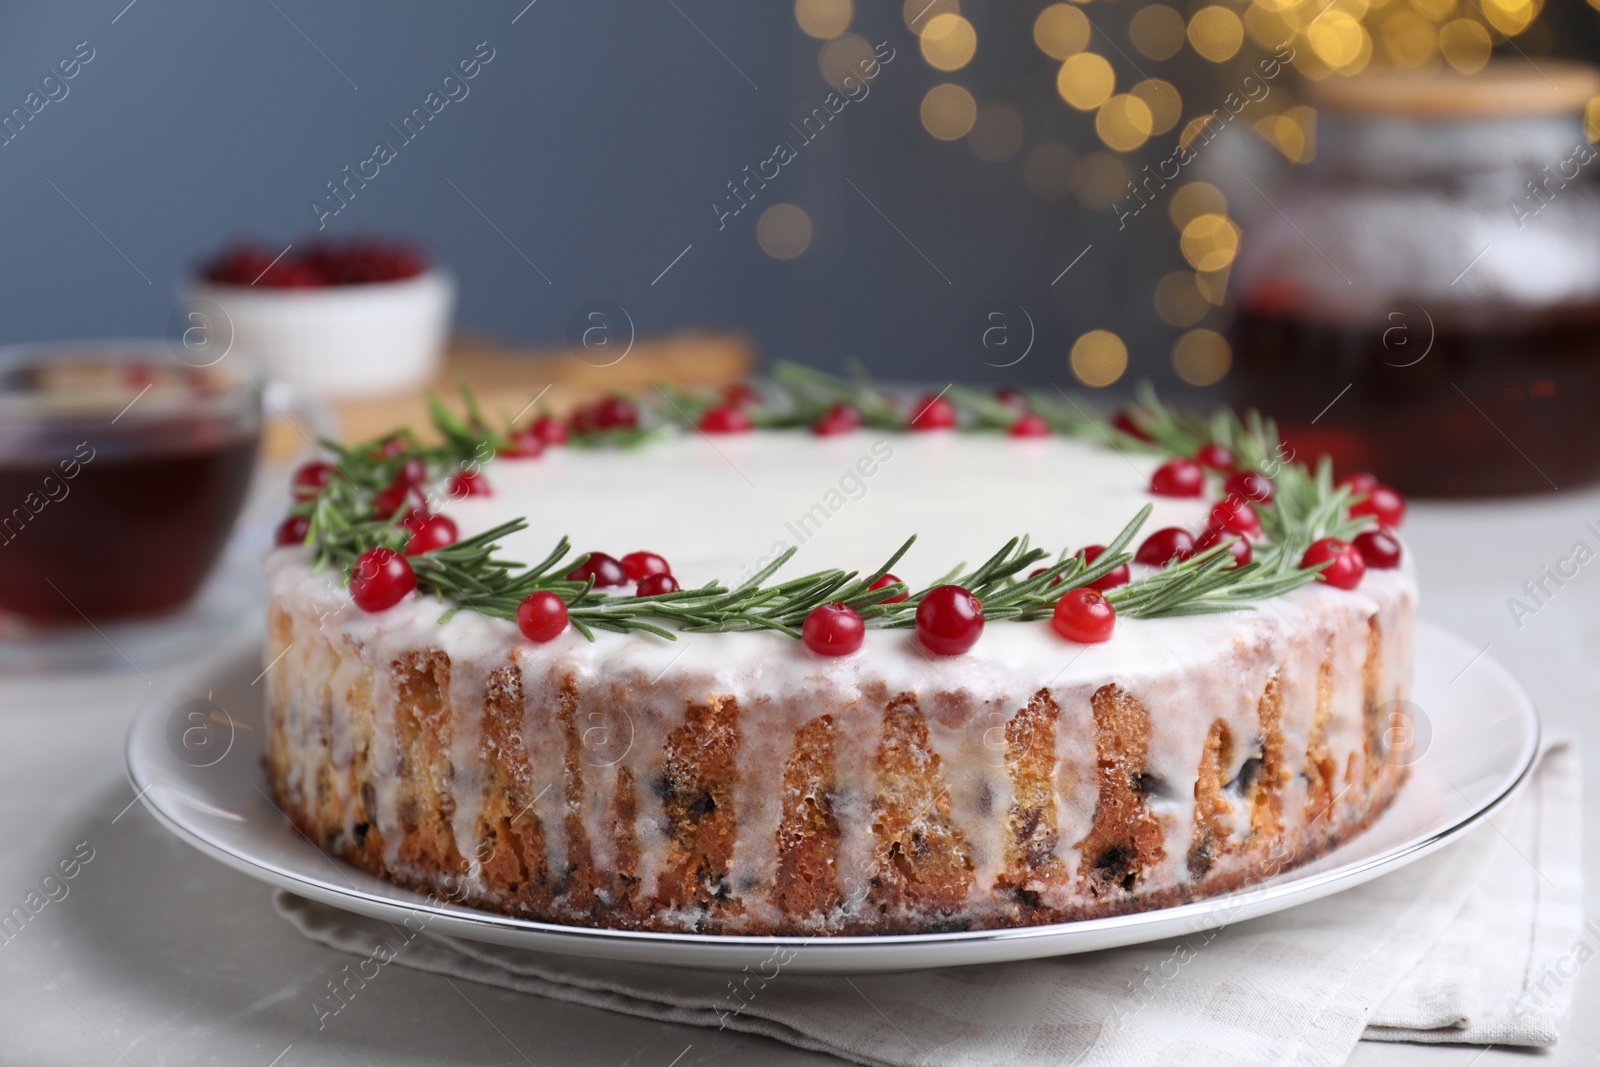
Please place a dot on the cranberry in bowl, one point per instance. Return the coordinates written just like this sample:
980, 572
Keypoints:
354, 317
122, 471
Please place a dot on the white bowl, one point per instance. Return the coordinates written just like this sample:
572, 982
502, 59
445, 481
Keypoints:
342, 341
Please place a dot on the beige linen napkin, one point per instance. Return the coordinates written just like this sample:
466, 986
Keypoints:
1474, 944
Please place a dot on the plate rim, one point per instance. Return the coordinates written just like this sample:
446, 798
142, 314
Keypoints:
1248, 902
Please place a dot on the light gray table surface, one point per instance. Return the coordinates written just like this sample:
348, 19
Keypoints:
159, 955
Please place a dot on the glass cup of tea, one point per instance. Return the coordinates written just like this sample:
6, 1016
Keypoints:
122, 471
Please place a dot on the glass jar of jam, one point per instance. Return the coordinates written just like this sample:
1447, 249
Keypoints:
122, 470
1423, 301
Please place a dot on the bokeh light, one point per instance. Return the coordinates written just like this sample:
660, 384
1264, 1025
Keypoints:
1340, 41
1099, 358
1209, 242
997, 134
918, 12
783, 231
1465, 45
1061, 30
949, 111
842, 57
823, 18
1216, 33
1161, 97
1086, 81
948, 42
1123, 122
1191, 201
1202, 357
1157, 31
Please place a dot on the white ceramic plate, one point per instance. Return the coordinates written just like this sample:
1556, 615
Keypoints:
203, 779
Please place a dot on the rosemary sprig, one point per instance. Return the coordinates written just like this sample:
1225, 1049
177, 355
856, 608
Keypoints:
471, 575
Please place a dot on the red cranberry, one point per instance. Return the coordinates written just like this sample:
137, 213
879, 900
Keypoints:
655, 585
727, 418
542, 617
841, 418
949, 620
1360, 483
833, 629
1380, 549
1384, 504
1178, 477
613, 413
468, 483
1171, 545
429, 531
1085, 616
1215, 457
525, 444
1029, 424
603, 569
889, 579
292, 531
933, 413
390, 500
1234, 515
392, 446
1012, 399
643, 564
741, 394
1239, 547
413, 471
381, 579
1116, 577
1346, 568
1040, 570
1124, 421
310, 480
1248, 485
550, 430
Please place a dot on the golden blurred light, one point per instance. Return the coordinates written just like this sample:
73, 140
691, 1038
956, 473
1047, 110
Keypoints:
1213, 285
1202, 357
1510, 17
1191, 201
1179, 301
1086, 81
1209, 241
1435, 10
1337, 38
1100, 180
1123, 122
1409, 40
918, 12
1591, 120
1216, 33
948, 111
1048, 171
1465, 45
948, 42
1286, 135
783, 231
1157, 31
997, 135
1269, 26
1099, 358
823, 18
1061, 30
842, 57
1161, 97
1192, 129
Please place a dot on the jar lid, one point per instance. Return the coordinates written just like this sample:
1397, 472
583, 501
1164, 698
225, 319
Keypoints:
1502, 89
